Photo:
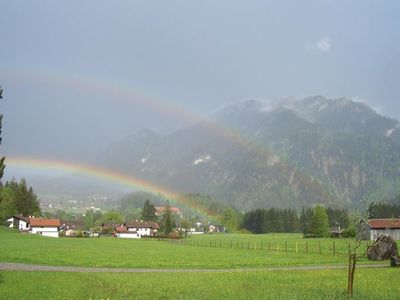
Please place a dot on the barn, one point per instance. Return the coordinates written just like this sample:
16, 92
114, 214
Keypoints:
380, 227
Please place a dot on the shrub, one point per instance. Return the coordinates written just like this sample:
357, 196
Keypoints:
349, 232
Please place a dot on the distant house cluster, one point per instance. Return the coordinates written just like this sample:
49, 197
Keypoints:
130, 229
53, 227
201, 228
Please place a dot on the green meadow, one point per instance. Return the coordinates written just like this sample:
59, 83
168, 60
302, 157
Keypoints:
278, 242
206, 251
327, 284
211, 251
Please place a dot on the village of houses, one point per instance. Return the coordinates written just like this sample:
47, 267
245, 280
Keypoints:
72, 228
367, 230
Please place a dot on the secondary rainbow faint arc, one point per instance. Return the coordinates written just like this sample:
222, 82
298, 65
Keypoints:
153, 103
123, 93
110, 175
161, 106
119, 92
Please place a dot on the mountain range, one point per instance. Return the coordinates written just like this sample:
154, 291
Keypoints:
287, 153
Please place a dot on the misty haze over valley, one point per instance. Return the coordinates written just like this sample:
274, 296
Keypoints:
179, 149
255, 104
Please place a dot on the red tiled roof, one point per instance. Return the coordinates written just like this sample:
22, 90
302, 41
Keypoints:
38, 222
121, 229
384, 223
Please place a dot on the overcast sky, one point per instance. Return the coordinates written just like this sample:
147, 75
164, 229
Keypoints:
78, 75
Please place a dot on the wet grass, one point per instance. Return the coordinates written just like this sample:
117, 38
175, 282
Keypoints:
326, 284
236, 251
124, 253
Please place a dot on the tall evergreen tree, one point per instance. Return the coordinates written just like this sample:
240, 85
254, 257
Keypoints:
167, 221
149, 212
305, 220
338, 217
7, 203
25, 200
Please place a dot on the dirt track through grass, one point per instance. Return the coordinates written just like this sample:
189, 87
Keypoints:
41, 268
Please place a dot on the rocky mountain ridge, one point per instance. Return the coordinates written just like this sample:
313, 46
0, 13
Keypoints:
289, 153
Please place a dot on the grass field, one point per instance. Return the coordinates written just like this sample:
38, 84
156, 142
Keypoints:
113, 252
331, 284
226, 251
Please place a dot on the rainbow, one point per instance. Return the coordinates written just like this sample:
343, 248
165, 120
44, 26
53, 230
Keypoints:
105, 174
120, 93
93, 171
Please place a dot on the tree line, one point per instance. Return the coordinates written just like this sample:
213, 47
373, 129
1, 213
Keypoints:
384, 210
263, 220
314, 221
17, 198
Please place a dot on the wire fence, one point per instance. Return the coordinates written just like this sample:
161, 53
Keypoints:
334, 247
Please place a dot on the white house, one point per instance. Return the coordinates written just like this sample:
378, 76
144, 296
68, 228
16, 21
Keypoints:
19, 222
122, 232
137, 229
45, 227
380, 227
195, 230
212, 228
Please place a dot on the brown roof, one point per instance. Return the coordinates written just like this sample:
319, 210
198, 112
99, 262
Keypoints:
20, 217
110, 225
384, 223
38, 222
142, 224
74, 224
